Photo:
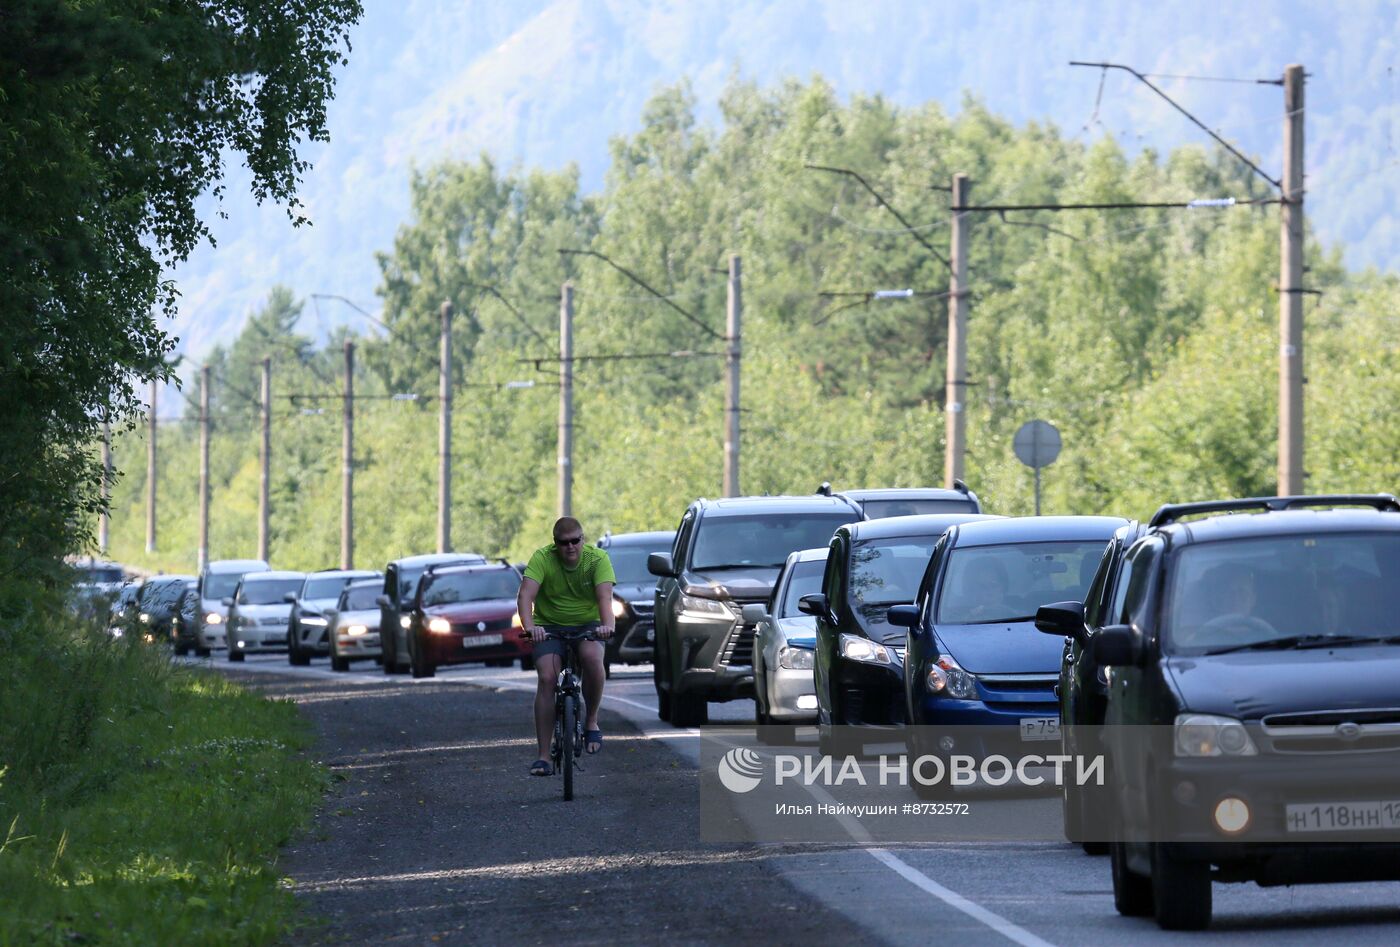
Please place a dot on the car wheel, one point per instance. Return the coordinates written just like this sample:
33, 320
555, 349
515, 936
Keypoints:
1132, 893
388, 657
235, 655
201, 652
1180, 891
339, 664
689, 710
297, 657
527, 664
663, 696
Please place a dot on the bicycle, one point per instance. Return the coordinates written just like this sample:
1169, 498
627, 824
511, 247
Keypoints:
567, 745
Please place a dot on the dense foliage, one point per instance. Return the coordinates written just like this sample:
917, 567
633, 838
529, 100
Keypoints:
115, 116
1148, 337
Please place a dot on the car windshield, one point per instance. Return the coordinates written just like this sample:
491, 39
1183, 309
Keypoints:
878, 509
471, 587
630, 563
324, 587
988, 584
806, 579
1283, 591
762, 540
267, 591
888, 571
100, 574
219, 585
361, 598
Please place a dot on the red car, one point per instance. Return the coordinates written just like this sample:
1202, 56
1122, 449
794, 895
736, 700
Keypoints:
466, 613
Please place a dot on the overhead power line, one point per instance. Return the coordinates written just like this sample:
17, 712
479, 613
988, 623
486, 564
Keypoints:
909, 227
648, 287
1142, 77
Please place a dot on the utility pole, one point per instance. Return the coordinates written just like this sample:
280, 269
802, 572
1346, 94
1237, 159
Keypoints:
347, 464
151, 477
444, 540
733, 339
104, 518
265, 481
956, 386
566, 400
203, 467
1291, 290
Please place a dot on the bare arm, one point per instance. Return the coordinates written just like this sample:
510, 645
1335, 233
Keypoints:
525, 605
603, 590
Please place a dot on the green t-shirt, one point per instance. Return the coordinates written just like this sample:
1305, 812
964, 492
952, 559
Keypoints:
566, 596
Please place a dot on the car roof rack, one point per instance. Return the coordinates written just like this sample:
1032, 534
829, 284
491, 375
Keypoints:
1172, 512
961, 487
825, 489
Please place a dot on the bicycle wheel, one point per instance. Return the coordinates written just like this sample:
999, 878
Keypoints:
566, 746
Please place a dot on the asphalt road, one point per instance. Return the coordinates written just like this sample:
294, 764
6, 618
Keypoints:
435, 834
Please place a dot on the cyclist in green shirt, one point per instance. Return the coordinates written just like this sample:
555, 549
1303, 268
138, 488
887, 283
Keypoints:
566, 584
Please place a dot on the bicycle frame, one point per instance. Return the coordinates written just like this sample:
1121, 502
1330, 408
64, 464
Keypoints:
567, 745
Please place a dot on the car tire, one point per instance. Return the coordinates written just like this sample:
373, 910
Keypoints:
339, 664
235, 655
201, 652
689, 710
1132, 893
527, 664
418, 662
297, 657
1180, 891
181, 648
387, 652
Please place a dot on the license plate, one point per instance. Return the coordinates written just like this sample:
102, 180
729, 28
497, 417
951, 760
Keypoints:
651, 634
480, 641
1342, 816
1040, 728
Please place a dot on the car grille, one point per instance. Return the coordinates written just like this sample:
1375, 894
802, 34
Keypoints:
273, 623
1334, 731
1019, 683
470, 627
738, 650
644, 608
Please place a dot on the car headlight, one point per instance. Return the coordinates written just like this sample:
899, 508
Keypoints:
313, 621
440, 626
947, 678
515, 621
704, 607
213, 618
854, 648
1211, 735
355, 631
619, 609
405, 621
795, 659
146, 618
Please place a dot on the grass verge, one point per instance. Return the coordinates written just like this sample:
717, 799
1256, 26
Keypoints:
142, 803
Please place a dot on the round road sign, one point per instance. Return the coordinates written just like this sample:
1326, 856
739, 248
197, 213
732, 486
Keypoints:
1037, 444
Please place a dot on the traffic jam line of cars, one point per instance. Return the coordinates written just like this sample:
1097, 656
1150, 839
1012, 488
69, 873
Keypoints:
1258, 636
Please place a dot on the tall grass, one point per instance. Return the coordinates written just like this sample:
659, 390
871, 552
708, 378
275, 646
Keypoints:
139, 802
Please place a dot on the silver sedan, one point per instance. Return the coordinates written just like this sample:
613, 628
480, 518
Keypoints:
354, 624
784, 639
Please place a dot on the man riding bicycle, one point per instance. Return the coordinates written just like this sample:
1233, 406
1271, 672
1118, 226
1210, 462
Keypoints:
567, 584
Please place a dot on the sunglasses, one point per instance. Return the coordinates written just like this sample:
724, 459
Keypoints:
571, 541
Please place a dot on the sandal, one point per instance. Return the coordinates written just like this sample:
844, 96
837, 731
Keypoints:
593, 741
541, 768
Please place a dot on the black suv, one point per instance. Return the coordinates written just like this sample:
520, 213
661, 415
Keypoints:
1253, 712
881, 502
400, 586
727, 554
1083, 686
634, 594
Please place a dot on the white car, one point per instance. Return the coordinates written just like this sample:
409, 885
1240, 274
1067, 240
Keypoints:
218, 581
354, 624
258, 612
784, 644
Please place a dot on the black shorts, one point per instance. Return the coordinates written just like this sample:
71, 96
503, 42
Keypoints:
555, 645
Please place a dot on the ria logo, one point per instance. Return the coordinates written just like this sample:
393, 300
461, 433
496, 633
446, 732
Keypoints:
740, 770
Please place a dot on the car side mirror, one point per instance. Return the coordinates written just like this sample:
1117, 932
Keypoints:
290, 597
659, 564
1061, 618
228, 602
753, 613
905, 616
815, 605
383, 602
1117, 646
